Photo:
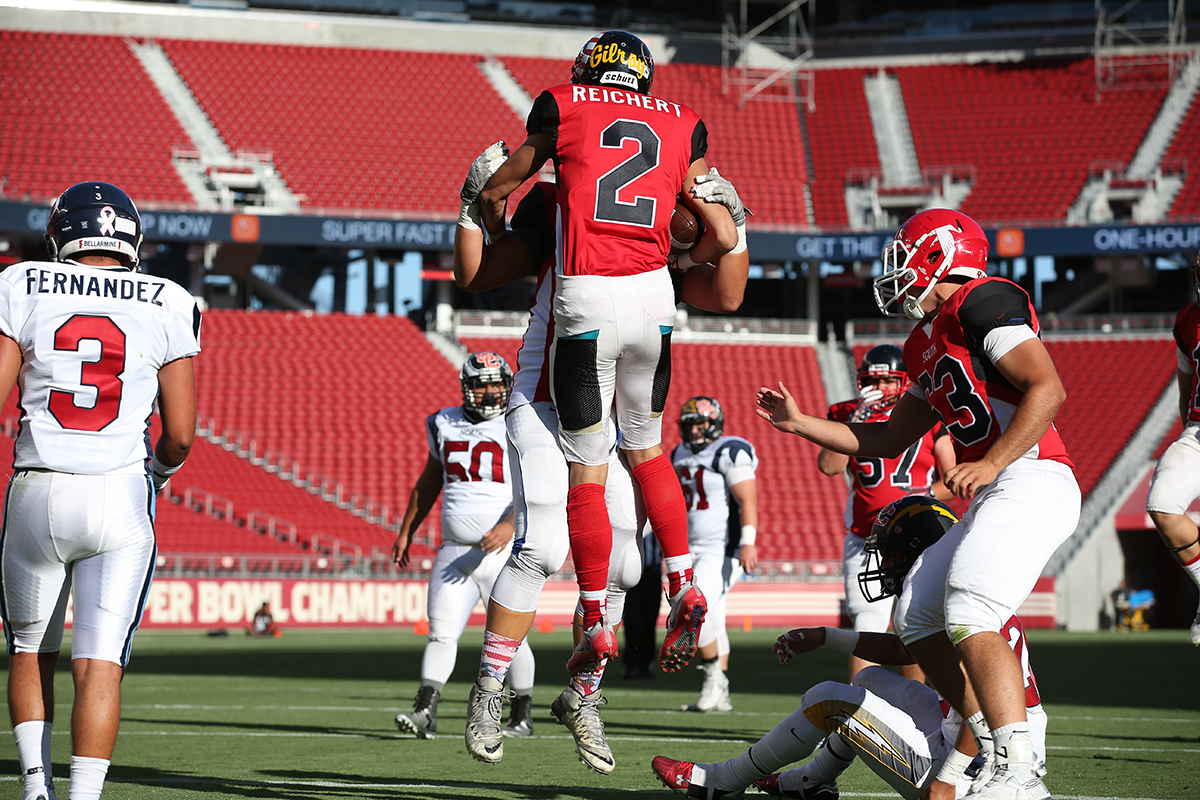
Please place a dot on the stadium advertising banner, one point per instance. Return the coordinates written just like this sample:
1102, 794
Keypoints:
438, 235
209, 604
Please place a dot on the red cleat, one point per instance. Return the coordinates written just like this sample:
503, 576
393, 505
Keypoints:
688, 608
597, 646
677, 776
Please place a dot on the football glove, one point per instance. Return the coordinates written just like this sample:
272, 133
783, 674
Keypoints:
868, 396
482, 169
712, 188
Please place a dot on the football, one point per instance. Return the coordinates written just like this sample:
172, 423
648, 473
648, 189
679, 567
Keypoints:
685, 229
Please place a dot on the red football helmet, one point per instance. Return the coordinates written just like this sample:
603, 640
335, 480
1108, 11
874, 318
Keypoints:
931, 245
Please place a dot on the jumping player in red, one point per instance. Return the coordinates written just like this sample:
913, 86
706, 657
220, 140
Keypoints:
978, 367
1177, 477
882, 379
621, 156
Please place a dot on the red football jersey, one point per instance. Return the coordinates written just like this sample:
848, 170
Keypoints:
879, 481
945, 358
622, 158
1187, 337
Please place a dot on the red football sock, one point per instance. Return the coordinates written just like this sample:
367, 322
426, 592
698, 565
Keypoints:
665, 506
591, 535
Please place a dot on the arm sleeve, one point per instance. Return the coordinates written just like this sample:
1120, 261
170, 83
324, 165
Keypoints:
736, 461
544, 116
183, 325
1000, 340
994, 305
699, 141
1184, 362
431, 436
916, 391
10, 322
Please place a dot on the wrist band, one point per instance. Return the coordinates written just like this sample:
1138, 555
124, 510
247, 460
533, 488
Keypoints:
159, 468
740, 247
954, 766
469, 216
749, 534
685, 262
840, 640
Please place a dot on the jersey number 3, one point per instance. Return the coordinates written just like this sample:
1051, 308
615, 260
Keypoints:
104, 374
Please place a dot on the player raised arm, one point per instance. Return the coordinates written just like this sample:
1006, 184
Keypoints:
520, 167
424, 494
911, 419
720, 233
720, 286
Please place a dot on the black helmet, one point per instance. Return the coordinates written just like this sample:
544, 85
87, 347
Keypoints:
94, 217
901, 532
884, 361
481, 369
614, 58
697, 410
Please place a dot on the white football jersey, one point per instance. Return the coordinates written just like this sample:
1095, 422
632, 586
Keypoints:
476, 483
714, 519
92, 340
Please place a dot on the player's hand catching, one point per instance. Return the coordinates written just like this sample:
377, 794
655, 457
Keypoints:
868, 396
712, 188
797, 642
482, 169
400, 550
970, 478
498, 537
779, 408
748, 558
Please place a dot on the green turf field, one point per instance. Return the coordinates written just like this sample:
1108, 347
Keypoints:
309, 715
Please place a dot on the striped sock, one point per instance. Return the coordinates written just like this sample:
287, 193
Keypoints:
498, 652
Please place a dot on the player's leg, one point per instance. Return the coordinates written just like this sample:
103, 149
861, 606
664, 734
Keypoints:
103, 529
714, 574
582, 362
521, 670
864, 615
1175, 485
539, 476
646, 316
1011, 530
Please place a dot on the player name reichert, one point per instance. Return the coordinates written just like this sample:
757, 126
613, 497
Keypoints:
46, 281
597, 94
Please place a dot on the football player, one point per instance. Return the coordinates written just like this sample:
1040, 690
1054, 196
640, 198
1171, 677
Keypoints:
896, 725
541, 501
875, 482
978, 367
92, 346
1176, 481
468, 464
621, 158
717, 475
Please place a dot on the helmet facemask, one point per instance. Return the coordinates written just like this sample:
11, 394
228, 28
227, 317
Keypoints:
920, 265
701, 411
481, 372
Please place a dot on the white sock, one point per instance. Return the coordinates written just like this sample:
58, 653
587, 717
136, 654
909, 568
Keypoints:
791, 740
1013, 745
677, 563
982, 734
87, 777
437, 662
1193, 571
33, 752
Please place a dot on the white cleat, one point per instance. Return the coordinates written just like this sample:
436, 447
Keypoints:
484, 740
1013, 782
1194, 633
581, 716
714, 693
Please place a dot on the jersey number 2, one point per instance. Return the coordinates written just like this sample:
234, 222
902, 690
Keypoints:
104, 375
609, 206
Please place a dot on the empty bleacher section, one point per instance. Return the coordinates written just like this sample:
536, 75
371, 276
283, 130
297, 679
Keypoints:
842, 140
341, 400
74, 107
758, 146
1185, 150
351, 128
1032, 130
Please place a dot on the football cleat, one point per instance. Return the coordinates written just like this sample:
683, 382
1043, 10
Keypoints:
484, 740
1013, 782
422, 720
714, 693
1194, 633
678, 777
688, 608
597, 645
520, 718
770, 786
581, 716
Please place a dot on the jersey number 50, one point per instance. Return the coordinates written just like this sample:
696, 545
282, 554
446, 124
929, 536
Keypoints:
104, 375
458, 472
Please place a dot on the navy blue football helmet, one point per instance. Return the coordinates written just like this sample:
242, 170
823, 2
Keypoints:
96, 218
615, 58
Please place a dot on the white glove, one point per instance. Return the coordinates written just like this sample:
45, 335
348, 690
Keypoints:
482, 169
868, 396
712, 188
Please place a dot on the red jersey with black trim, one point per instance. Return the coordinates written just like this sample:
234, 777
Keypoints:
533, 224
1187, 337
621, 157
946, 360
879, 481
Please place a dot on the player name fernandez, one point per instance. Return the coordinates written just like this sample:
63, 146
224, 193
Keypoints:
618, 97
45, 281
